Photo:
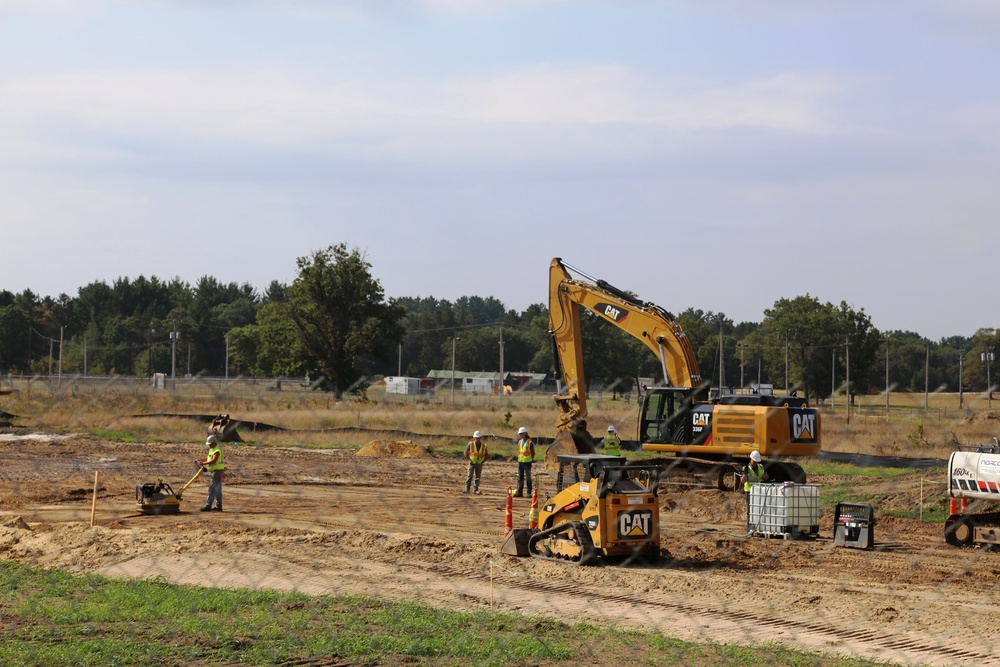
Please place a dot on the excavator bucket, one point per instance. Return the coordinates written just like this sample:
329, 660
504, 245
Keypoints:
224, 428
577, 440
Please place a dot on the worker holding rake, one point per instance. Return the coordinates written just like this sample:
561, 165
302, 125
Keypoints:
215, 464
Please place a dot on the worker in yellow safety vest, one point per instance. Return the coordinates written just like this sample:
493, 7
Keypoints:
215, 464
525, 457
612, 443
476, 453
753, 473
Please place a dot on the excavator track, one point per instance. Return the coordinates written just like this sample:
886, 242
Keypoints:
567, 542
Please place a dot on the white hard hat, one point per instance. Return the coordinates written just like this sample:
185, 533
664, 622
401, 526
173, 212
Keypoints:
611, 429
211, 440
522, 431
755, 456
477, 434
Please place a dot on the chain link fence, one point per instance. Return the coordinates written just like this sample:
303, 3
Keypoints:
364, 496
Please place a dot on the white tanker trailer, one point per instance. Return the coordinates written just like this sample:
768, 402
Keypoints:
974, 474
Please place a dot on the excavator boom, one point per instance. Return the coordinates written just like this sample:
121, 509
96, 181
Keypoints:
645, 321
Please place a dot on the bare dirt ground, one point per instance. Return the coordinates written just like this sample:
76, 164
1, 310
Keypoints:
395, 526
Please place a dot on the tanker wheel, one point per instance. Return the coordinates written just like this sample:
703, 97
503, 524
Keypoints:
728, 478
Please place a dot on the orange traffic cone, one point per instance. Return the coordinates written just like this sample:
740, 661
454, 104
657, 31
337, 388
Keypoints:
533, 514
508, 520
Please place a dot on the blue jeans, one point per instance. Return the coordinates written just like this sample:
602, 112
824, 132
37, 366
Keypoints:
215, 490
523, 472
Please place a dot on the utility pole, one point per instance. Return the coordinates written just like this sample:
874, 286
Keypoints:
988, 357
833, 378
501, 362
399, 366
227, 360
847, 364
887, 378
454, 340
786, 363
60, 355
149, 361
173, 356
742, 347
961, 362
722, 362
927, 377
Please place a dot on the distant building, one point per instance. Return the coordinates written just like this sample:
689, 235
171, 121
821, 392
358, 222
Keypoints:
483, 382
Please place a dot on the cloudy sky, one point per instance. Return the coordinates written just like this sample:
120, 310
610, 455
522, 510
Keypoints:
715, 154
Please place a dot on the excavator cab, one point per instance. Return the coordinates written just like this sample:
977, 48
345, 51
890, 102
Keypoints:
665, 413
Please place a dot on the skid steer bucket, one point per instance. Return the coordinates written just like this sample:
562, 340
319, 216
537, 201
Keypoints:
516, 544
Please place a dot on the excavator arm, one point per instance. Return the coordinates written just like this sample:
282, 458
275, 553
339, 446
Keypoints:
646, 322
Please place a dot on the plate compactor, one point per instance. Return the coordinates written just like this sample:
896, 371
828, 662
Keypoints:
159, 498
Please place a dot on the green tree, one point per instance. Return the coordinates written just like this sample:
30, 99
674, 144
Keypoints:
341, 316
270, 347
806, 333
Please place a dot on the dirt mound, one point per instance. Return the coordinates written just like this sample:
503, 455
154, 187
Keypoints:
404, 449
982, 418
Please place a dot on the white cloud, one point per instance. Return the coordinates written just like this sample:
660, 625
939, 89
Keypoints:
271, 108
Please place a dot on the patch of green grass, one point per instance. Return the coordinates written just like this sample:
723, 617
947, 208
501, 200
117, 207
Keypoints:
115, 435
53, 618
816, 467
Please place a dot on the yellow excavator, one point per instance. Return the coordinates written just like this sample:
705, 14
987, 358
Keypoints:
708, 438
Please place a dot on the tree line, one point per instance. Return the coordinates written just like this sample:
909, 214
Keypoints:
334, 323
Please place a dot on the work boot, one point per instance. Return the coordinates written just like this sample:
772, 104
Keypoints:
218, 509
465, 493
478, 492
519, 495
206, 508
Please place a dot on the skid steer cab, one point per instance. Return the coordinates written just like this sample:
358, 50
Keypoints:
602, 509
